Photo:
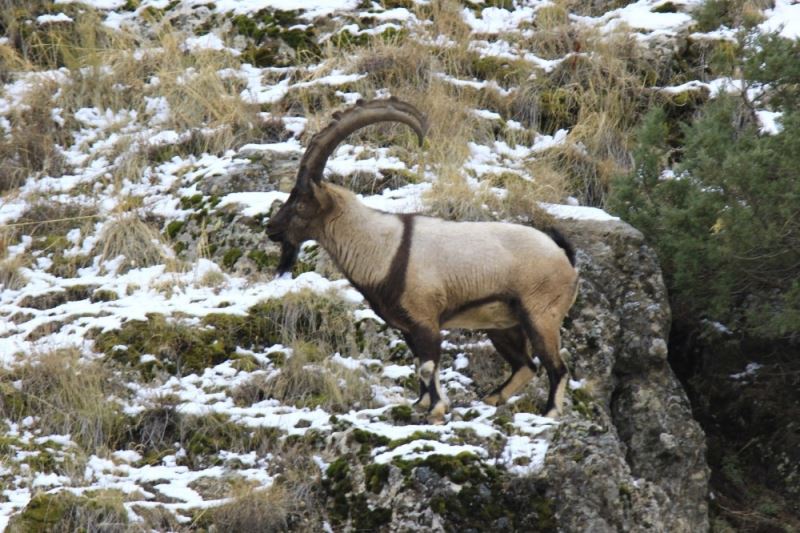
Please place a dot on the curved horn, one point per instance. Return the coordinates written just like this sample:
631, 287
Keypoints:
346, 122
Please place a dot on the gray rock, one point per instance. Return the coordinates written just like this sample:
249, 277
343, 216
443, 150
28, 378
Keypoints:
649, 465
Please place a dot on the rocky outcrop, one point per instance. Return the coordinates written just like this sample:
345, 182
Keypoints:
639, 464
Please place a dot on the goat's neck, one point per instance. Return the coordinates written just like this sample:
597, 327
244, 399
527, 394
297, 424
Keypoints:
361, 240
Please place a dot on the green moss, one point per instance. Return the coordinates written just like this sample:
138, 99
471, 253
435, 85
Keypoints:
173, 228
546, 515
365, 437
64, 511
230, 257
301, 40
417, 435
192, 202
245, 363
500, 69
583, 402
559, 108
472, 414
104, 295
177, 347
338, 484
318, 319
263, 260
368, 441
267, 29
366, 519
346, 39
462, 468
338, 470
261, 56
376, 476
209, 434
343, 505
504, 422
278, 358
401, 413
666, 7
482, 500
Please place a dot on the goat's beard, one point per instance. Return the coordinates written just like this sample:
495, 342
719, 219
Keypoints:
288, 257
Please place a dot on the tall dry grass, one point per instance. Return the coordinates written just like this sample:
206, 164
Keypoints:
66, 395
137, 242
310, 379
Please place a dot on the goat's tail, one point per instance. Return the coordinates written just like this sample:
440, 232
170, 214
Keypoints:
562, 241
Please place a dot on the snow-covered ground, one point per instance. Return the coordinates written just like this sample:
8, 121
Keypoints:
159, 189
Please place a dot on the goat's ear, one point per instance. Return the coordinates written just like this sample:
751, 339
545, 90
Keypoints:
322, 195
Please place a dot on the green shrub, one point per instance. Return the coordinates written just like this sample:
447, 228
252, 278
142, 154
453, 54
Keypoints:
725, 223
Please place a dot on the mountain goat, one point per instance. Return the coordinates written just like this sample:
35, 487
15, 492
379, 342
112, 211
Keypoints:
421, 274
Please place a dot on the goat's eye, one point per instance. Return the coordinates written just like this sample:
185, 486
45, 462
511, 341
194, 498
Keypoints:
305, 208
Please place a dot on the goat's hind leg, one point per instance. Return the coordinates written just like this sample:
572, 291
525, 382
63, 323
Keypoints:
427, 345
512, 346
545, 336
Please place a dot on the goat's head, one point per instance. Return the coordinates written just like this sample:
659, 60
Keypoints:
303, 215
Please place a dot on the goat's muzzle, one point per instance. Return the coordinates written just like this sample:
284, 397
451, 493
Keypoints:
275, 233
275, 236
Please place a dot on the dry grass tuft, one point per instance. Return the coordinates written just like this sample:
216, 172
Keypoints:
447, 20
522, 199
452, 197
45, 217
127, 235
324, 319
10, 276
253, 509
598, 95
66, 396
30, 148
199, 97
51, 46
211, 278
409, 68
554, 35
310, 379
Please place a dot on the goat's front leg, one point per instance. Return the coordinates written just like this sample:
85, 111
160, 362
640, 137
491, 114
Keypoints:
427, 345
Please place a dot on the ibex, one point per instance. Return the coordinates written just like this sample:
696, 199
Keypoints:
421, 274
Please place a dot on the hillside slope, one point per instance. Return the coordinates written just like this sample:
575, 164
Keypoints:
155, 376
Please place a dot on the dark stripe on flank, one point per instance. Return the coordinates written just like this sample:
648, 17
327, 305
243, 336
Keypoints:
384, 297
